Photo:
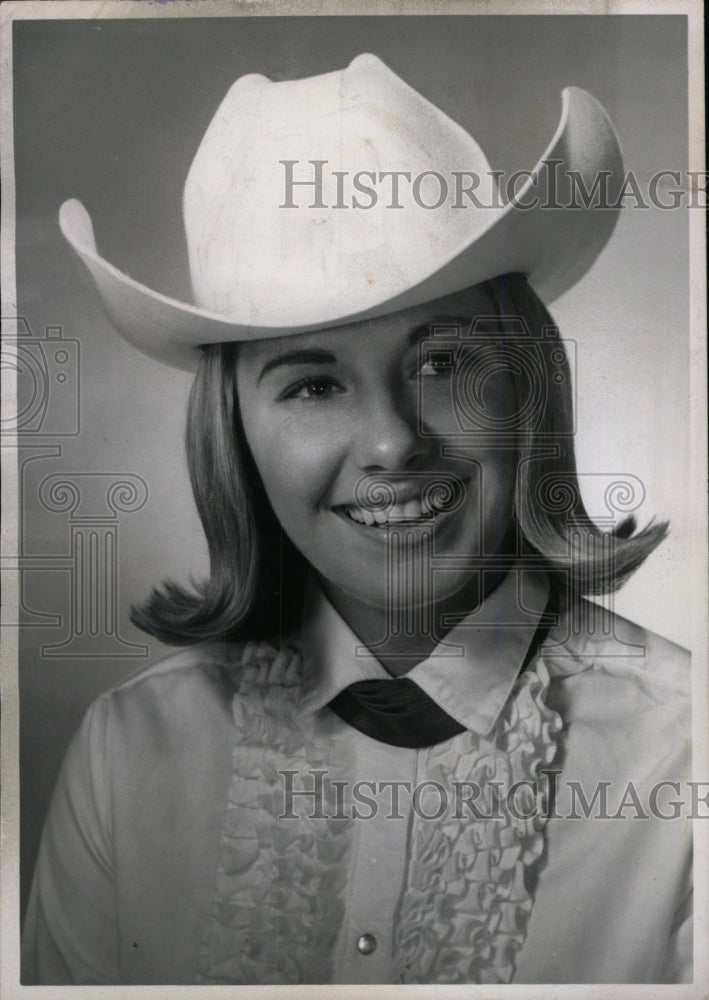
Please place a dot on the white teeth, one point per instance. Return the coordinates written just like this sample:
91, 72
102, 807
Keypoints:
412, 510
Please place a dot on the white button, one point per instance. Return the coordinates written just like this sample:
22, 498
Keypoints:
366, 944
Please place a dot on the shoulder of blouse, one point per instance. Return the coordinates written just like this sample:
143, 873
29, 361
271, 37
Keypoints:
207, 658
199, 677
589, 637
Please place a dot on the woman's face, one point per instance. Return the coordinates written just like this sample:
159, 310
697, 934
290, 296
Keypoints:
387, 441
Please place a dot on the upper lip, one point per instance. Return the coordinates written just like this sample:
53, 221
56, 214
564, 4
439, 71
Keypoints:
393, 497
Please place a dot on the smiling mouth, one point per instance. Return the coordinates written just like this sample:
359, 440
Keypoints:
415, 511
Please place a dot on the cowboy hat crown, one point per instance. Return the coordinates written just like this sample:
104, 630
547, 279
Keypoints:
317, 202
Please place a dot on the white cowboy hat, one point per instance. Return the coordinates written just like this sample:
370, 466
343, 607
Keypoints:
283, 237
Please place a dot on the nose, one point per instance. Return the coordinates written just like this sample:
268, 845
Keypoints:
388, 436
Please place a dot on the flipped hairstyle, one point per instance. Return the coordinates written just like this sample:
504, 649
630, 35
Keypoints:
255, 585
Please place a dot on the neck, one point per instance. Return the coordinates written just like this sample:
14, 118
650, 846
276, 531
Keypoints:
403, 634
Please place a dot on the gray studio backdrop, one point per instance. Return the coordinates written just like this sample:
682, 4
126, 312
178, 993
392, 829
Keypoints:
112, 112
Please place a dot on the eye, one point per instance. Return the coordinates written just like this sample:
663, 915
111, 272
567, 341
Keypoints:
437, 364
313, 388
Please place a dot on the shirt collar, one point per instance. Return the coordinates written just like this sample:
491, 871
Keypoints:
470, 674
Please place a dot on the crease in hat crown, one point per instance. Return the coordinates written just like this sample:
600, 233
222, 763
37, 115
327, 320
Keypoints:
360, 121
261, 269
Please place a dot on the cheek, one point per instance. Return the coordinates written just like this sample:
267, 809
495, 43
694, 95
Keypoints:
496, 475
296, 464
499, 464
480, 399
487, 429
498, 402
493, 476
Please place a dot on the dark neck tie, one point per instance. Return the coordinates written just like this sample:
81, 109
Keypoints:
400, 713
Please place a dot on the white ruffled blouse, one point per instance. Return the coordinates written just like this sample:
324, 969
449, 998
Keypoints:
215, 822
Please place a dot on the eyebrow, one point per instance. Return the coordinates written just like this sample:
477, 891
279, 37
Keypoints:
312, 356
318, 356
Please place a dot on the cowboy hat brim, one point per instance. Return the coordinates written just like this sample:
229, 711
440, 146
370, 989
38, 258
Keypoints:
548, 232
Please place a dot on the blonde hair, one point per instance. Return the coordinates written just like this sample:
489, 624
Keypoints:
255, 585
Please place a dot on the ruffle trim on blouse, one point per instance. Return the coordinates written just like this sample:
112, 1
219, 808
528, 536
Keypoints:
463, 916
278, 904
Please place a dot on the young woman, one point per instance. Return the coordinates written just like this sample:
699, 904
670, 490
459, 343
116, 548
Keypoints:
399, 746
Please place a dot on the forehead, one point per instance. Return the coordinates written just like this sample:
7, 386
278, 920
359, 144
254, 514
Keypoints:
394, 328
